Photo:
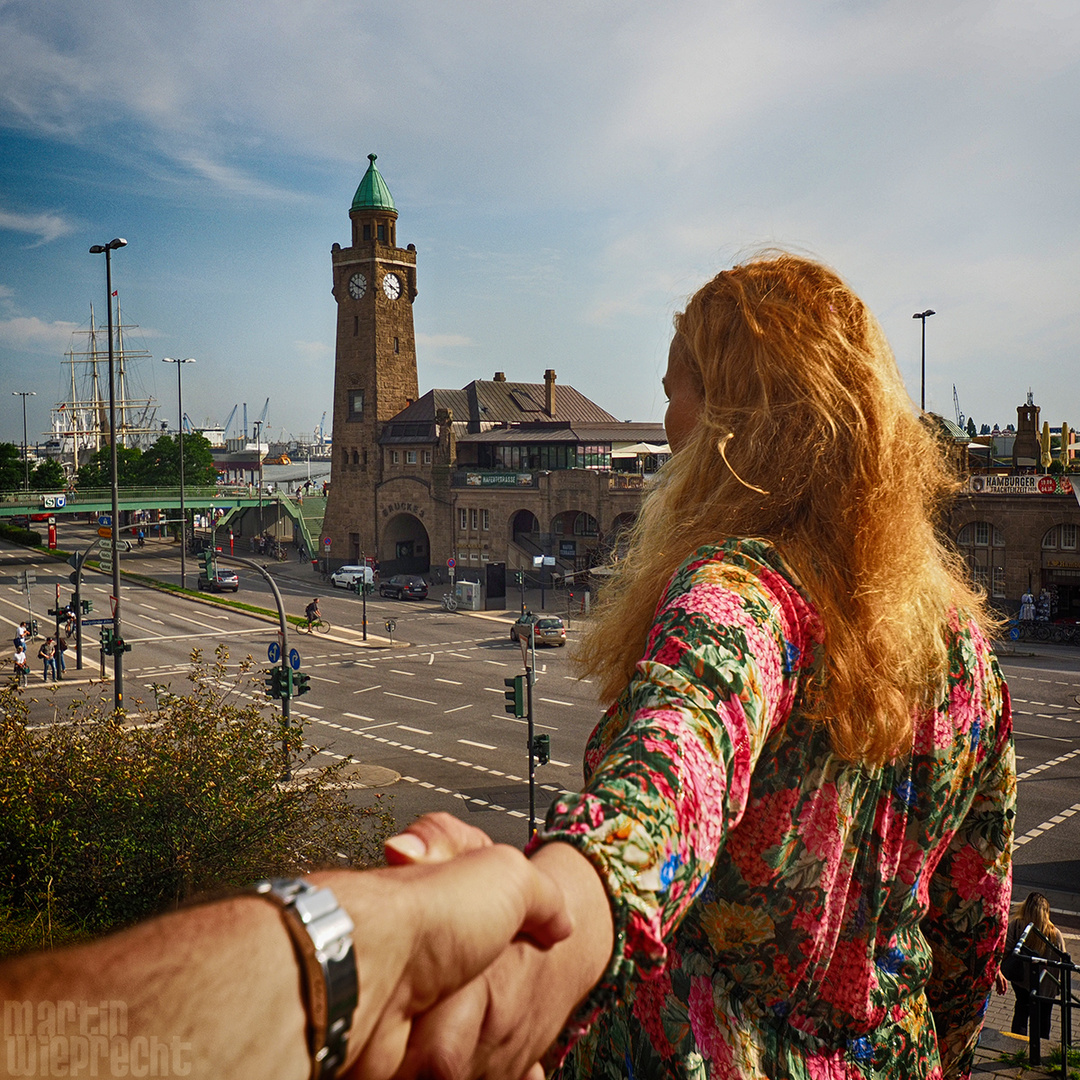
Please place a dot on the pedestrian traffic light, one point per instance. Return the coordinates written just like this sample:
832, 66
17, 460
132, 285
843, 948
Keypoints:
87, 606
119, 645
107, 640
515, 695
208, 562
300, 681
541, 748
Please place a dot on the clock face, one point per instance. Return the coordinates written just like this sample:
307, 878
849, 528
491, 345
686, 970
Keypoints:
391, 285
357, 286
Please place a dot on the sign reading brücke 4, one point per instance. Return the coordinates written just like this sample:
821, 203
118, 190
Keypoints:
1020, 485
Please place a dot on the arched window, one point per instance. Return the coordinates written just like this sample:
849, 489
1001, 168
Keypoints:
1060, 538
983, 546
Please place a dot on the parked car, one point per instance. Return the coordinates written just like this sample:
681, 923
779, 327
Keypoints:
549, 629
346, 577
404, 587
222, 581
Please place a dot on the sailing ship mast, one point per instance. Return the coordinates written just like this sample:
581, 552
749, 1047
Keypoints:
81, 424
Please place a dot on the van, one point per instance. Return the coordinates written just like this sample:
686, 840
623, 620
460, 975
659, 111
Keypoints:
346, 577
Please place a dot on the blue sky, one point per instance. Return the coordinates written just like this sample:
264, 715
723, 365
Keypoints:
568, 172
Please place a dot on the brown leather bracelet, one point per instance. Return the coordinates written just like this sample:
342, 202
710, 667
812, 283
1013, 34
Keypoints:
321, 933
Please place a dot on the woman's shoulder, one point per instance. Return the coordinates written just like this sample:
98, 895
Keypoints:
740, 563
745, 573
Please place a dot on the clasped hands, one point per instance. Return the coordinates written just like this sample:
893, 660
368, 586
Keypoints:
472, 959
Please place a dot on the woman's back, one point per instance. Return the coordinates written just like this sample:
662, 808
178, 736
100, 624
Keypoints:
829, 896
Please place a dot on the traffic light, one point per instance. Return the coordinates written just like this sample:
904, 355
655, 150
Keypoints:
208, 562
515, 695
541, 748
273, 683
87, 606
300, 681
107, 640
119, 645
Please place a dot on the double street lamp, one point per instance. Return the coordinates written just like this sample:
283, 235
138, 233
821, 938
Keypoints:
180, 438
24, 394
118, 652
924, 315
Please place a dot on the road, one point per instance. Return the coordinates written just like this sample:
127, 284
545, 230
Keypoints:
429, 707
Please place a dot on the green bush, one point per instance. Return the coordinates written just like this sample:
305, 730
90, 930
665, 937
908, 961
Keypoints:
19, 535
106, 819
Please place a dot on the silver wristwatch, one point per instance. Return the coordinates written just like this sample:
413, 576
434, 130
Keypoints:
322, 934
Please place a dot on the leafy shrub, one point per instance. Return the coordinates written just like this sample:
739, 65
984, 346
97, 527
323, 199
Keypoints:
106, 819
17, 534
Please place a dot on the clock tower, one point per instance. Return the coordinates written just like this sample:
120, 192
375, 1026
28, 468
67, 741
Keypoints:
375, 362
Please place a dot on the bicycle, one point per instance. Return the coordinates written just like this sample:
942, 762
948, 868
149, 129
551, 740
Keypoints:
449, 602
314, 626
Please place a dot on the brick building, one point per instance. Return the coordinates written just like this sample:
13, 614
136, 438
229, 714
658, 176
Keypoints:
1019, 526
496, 472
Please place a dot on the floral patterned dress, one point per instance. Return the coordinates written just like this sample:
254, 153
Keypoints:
780, 912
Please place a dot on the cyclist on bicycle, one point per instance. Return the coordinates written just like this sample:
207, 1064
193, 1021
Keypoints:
312, 611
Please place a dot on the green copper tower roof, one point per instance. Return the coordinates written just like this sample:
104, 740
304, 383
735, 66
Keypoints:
373, 194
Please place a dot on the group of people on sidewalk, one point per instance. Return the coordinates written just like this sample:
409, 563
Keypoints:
51, 654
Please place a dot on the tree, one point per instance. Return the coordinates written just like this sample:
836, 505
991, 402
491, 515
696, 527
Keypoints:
106, 819
985, 429
48, 475
971, 428
97, 472
12, 472
161, 463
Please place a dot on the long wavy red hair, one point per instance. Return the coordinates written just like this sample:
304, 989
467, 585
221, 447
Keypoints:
807, 438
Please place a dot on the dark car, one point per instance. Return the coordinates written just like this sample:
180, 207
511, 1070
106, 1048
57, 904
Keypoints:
404, 587
549, 629
222, 581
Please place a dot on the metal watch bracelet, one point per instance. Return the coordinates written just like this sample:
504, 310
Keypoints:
321, 932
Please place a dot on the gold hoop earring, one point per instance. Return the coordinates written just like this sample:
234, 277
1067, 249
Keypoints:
721, 447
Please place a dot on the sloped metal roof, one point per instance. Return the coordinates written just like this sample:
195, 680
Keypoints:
373, 194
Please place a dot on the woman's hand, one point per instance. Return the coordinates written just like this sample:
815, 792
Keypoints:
501, 1023
425, 929
1001, 984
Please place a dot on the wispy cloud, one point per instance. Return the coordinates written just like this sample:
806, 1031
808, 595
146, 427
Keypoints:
36, 335
443, 341
43, 227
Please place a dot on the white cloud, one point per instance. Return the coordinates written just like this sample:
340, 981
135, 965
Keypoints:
443, 341
36, 335
313, 352
45, 227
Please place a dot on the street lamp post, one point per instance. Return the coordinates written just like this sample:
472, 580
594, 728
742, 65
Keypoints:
24, 394
257, 425
118, 651
923, 315
180, 438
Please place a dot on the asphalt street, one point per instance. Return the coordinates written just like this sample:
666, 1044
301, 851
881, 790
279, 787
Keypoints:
422, 708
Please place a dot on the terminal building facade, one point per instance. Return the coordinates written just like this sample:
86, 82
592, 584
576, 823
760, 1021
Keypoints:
494, 473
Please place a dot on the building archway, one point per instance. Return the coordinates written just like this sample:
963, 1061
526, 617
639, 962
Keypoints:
404, 546
525, 523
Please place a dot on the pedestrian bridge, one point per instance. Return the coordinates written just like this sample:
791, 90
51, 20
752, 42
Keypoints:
306, 513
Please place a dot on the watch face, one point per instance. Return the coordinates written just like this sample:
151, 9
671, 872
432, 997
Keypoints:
391, 285
357, 286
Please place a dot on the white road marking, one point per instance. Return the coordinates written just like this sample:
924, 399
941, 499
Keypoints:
405, 697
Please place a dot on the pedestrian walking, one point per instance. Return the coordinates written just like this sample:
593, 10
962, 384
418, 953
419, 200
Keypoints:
61, 648
20, 636
1045, 936
47, 655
